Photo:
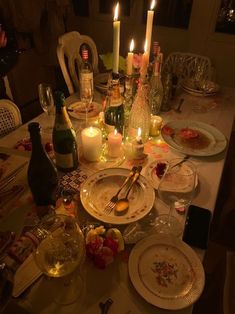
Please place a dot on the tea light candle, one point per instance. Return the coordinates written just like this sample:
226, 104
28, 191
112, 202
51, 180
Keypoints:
91, 143
138, 146
114, 144
155, 125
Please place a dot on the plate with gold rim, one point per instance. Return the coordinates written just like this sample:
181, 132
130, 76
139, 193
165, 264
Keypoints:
98, 189
77, 110
166, 272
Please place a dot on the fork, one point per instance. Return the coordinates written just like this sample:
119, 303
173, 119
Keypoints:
111, 204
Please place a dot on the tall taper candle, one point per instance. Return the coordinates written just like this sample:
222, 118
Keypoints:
144, 62
130, 59
116, 39
149, 27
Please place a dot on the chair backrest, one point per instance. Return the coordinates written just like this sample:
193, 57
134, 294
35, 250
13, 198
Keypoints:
68, 53
10, 117
187, 65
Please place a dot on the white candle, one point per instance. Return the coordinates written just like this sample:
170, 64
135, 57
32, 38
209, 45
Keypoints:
138, 146
116, 40
144, 62
155, 126
91, 143
130, 59
149, 27
114, 144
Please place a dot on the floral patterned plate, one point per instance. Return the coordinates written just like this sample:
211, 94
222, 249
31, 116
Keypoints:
98, 189
166, 272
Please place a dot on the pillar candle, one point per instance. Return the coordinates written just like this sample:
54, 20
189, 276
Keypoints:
130, 59
114, 144
116, 40
149, 27
91, 143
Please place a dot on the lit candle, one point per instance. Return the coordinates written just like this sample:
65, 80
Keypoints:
91, 143
144, 62
116, 39
130, 59
138, 146
149, 27
155, 126
114, 144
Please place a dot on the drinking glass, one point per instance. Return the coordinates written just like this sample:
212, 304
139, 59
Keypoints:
60, 255
176, 189
86, 93
47, 102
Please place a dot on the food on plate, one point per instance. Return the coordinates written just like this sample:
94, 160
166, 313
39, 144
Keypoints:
191, 138
26, 145
168, 130
187, 133
160, 169
103, 245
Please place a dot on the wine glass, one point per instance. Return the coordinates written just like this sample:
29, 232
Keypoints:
86, 93
60, 255
176, 189
47, 102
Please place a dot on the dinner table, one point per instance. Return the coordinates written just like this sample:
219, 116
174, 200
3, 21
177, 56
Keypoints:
114, 281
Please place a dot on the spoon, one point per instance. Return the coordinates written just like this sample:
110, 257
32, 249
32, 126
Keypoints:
123, 204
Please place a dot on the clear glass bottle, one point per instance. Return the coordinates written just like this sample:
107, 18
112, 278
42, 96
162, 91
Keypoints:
156, 89
114, 111
64, 137
86, 70
42, 174
140, 114
167, 94
128, 100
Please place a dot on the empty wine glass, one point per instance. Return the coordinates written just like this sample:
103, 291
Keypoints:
86, 93
60, 254
47, 102
176, 189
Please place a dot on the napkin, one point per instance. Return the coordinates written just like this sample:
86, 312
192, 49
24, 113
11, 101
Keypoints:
122, 302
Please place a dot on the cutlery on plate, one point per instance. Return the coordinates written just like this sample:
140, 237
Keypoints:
111, 204
104, 307
123, 204
181, 161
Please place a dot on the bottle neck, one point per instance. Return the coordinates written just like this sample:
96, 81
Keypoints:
62, 117
116, 98
37, 147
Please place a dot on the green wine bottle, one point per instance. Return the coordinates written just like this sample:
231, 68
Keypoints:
114, 111
42, 173
64, 137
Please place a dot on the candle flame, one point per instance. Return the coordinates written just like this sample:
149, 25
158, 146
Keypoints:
132, 45
115, 132
139, 132
116, 12
152, 5
146, 46
91, 130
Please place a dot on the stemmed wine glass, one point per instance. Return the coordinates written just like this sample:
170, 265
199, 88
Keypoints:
61, 253
176, 189
86, 93
47, 102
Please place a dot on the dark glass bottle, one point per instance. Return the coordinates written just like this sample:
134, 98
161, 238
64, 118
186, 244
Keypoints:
114, 111
64, 137
42, 174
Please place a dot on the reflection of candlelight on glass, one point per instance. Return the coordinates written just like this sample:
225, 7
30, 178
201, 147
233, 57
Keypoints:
114, 144
91, 143
116, 39
130, 58
155, 125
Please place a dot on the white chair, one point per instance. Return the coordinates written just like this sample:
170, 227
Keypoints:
10, 117
70, 59
186, 65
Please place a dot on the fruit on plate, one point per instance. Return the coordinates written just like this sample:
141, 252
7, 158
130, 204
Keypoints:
102, 246
160, 169
187, 133
168, 130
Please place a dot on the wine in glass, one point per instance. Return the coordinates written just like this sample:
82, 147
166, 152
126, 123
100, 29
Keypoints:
47, 102
176, 189
61, 253
86, 93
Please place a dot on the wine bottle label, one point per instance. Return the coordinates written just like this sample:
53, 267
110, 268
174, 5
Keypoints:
64, 161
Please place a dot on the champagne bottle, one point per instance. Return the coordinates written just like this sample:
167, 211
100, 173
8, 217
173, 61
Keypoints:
114, 111
64, 137
156, 89
42, 174
86, 70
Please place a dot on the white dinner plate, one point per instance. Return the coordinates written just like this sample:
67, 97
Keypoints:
98, 189
77, 110
214, 141
101, 81
166, 272
150, 173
